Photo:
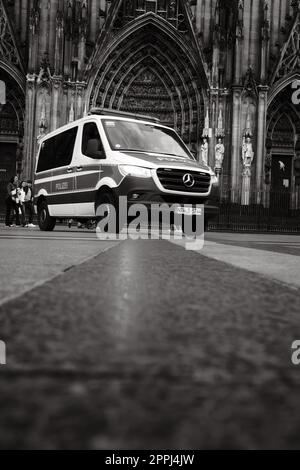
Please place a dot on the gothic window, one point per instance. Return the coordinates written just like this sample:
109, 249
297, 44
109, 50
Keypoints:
161, 5
171, 10
283, 134
2, 93
129, 8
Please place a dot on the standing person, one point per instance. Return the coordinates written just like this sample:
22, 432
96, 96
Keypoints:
21, 202
11, 202
29, 203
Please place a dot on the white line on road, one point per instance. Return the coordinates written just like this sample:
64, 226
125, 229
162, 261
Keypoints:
281, 267
279, 243
20, 237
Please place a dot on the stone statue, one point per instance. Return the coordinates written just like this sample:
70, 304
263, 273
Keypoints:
248, 154
140, 5
204, 152
219, 154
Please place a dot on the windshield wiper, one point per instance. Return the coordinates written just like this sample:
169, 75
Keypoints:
172, 155
154, 152
133, 150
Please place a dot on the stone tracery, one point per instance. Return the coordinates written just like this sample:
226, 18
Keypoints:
177, 60
174, 78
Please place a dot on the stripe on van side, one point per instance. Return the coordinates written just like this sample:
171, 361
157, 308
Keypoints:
87, 179
42, 175
46, 186
72, 198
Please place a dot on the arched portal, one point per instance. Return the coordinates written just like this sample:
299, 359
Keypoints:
151, 69
12, 109
283, 130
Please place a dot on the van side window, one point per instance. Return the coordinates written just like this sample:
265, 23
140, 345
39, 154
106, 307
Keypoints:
64, 147
91, 141
57, 151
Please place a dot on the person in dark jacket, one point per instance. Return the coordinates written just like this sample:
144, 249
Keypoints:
21, 203
29, 195
11, 202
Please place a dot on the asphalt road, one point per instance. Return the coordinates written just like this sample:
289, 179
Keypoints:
149, 346
30, 257
287, 244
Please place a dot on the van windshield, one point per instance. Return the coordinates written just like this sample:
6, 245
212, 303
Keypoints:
141, 137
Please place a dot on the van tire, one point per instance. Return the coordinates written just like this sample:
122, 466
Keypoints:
45, 221
109, 199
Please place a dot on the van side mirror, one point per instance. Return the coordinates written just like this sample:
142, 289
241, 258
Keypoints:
101, 155
92, 150
98, 155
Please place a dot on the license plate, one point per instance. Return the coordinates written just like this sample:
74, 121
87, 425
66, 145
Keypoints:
189, 211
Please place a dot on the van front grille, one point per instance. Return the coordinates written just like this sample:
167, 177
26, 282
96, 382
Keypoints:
184, 180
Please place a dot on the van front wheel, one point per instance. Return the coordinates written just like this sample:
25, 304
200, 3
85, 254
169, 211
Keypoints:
46, 222
107, 214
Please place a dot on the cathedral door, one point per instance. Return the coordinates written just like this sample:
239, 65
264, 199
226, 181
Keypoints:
281, 183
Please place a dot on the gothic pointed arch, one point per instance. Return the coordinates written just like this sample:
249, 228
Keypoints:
277, 113
177, 13
148, 67
281, 84
12, 106
283, 122
9, 51
12, 74
289, 60
12, 113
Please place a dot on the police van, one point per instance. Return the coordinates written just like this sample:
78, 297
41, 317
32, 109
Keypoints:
108, 154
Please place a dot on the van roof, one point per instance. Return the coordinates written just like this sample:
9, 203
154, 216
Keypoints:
103, 113
112, 112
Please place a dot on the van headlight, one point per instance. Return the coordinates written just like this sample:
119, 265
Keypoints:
214, 180
137, 171
213, 177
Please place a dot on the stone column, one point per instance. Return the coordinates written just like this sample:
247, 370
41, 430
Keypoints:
265, 43
206, 134
236, 142
43, 30
214, 118
29, 130
56, 93
83, 29
246, 186
34, 25
219, 148
59, 44
267, 170
239, 39
261, 137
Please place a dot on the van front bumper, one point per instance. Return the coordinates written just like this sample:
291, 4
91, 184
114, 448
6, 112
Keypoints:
144, 191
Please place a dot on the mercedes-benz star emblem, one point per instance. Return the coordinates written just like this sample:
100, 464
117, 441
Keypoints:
188, 180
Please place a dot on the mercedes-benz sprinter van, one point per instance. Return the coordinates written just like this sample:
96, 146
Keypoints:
109, 154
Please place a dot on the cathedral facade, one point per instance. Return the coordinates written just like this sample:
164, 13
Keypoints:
224, 73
